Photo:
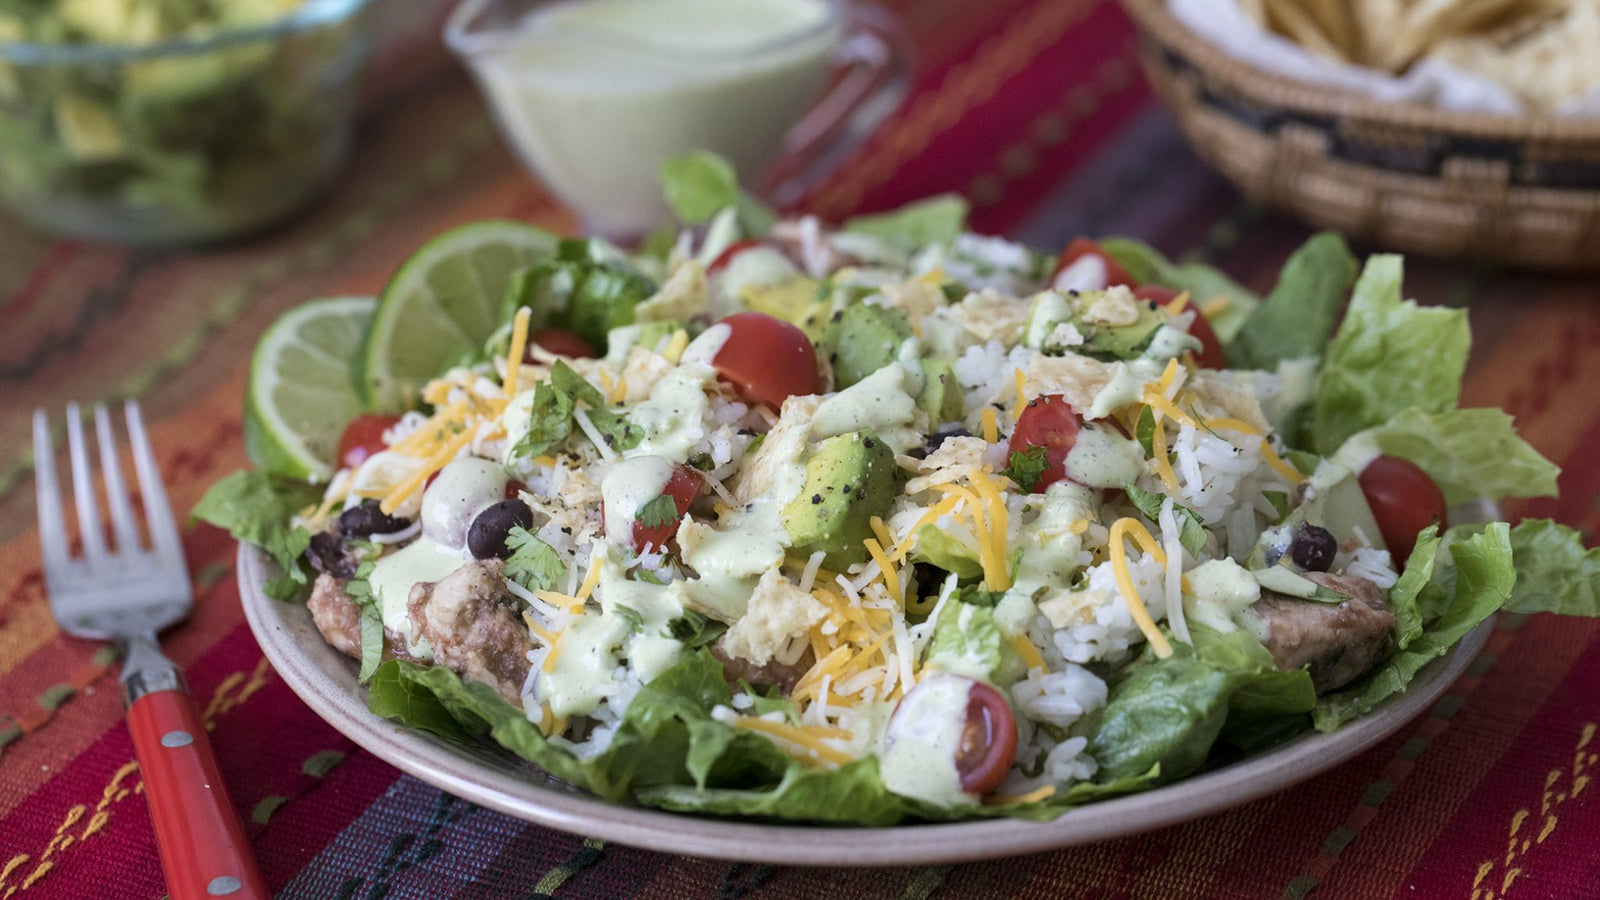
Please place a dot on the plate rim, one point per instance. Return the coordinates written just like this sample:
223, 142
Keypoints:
326, 683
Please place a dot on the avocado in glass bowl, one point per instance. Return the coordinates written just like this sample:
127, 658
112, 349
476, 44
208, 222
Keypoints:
168, 122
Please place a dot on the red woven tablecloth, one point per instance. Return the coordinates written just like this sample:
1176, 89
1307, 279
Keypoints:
1033, 108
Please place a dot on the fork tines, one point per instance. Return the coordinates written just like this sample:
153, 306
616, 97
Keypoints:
56, 547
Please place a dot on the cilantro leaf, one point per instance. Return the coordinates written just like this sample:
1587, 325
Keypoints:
1144, 430
549, 421
658, 513
533, 564
630, 615
1027, 467
555, 402
695, 629
1192, 533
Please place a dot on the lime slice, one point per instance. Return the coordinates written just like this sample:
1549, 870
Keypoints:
444, 302
301, 394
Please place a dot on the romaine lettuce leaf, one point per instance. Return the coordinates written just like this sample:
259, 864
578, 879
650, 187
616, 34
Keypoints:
1204, 283
931, 220
1299, 314
1554, 572
1388, 356
1166, 713
1266, 704
1470, 453
256, 508
1476, 580
1403, 599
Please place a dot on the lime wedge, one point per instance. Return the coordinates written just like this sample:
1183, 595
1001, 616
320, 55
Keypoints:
301, 394
444, 302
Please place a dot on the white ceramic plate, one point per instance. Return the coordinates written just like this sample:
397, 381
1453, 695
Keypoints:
326, 680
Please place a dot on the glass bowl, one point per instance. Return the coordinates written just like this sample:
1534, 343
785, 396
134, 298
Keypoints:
182, 141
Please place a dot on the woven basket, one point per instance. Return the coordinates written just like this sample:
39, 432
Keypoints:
1523, 190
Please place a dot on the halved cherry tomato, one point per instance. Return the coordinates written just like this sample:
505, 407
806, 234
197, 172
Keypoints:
726, 256
562, 341
682, 487
988, 741
767, 360
1211, 355
1049, 422
1404, 500
362, 438
1081, 247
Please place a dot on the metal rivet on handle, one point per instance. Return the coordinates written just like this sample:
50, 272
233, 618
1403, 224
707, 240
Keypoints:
223, 885
177, 739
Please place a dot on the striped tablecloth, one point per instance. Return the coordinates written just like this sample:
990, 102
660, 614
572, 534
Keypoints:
1033, 108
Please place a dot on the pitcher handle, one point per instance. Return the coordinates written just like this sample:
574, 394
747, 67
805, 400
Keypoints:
874, 64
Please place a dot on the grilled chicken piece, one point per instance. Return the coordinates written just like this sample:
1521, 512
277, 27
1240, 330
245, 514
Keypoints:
1340, 641
336, 615
471, 621
339, 619
774, 673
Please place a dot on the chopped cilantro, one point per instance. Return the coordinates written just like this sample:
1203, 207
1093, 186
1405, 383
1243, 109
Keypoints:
630, 615
772, 700
1144, 430
658, 513
1027, 467
696, 630
533, 564
1192, 534
550, 415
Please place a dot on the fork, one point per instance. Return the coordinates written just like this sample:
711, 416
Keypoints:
129, 593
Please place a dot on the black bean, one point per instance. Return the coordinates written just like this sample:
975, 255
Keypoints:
368, 519
329, 554
486, 537
1312, 548
939, 437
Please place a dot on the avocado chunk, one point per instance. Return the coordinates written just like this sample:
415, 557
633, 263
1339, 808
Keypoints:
800, 301
941, 396
849, 479
863, 338
1100, 324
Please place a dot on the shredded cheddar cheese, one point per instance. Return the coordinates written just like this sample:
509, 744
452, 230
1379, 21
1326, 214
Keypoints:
1021, 381
519, 343
417, 479
802, 735
1177, 304
1119, 568
891, 578
1043, 792
1029, 653
991, 428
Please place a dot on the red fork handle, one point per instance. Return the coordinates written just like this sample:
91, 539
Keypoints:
204, 852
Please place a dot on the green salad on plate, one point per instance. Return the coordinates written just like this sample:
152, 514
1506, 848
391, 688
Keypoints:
883, 522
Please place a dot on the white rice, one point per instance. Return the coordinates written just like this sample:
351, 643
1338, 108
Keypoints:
1059, 698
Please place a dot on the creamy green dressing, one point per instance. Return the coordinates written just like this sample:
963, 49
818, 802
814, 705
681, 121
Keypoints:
626, 488
597, 94
1100, 458
919, 755
462, 490
1221, 592
1049, 545
879, 402
424, 560
1126, 386
673, 417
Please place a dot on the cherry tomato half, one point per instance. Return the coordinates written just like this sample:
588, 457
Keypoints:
561, 341
1081, 247
1049, 422
1404, 500
1211, 355
767, 360
726, 256
988, 741
682, 487
362, 438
